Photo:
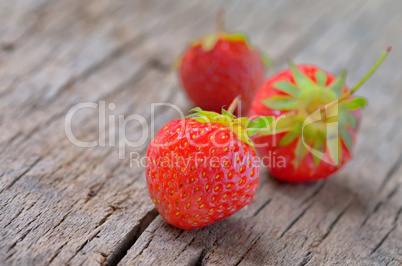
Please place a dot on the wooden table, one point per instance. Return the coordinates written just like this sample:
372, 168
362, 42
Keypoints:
64, 204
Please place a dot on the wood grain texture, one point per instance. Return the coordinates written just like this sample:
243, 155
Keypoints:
62, 204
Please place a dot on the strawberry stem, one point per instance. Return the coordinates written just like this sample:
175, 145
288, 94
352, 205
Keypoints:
360, 83
233, 105
369, 73
220, 20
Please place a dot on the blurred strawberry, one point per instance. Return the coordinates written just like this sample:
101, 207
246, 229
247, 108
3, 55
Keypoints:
217, 68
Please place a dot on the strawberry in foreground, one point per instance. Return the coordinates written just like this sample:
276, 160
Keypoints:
317, 118
217, 68
203, 168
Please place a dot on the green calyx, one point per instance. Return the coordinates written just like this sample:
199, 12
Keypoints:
320, 114
208, 42
242, 127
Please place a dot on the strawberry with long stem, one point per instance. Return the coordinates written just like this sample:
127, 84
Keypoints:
317, 119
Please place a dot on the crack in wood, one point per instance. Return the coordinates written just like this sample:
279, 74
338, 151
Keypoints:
261, 207
9, 256
18, 214
398, 215
335, 221
390, 173
144, 248
383, 240
64, 217
315, 192
391, 261
21, 238
95, 189
198, 260
131, 237
27, 209
181, 232
12, 219
7, 47
245, 254
206, 252
81, 247
185, 247
295, 220
309, 255
22, 174
57, 252
387, 198
104, 219
8, 202
306, 259
379, 204
60, 167
394, 226
12, 139
159, 65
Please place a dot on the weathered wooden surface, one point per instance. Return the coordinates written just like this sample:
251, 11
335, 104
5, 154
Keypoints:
62, 204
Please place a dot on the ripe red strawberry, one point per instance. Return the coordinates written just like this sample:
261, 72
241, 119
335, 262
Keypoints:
318, 131
217, 68
203, 168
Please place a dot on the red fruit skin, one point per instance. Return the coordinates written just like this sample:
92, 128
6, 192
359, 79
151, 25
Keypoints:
212, 189
212, 79
306, 171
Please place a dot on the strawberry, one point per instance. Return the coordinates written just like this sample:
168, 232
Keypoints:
218, 67
203, 168
317, 119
